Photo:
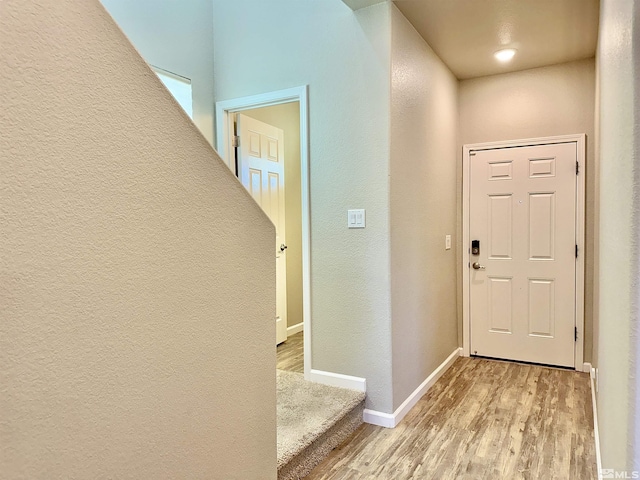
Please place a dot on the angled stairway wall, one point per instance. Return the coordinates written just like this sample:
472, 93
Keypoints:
136, 274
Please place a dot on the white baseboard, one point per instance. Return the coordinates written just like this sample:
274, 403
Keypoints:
596, 432
387, 420
293, 329
338, 380
586, 367
390, 420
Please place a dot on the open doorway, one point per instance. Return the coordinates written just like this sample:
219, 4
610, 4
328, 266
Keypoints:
270, 160
268, 146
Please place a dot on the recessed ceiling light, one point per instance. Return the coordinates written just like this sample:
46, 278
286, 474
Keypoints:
505, 55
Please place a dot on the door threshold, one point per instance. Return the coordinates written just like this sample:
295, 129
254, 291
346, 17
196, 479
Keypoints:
522, 362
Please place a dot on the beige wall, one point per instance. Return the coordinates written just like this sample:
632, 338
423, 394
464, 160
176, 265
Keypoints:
618, 340
130, 346
178, 37
540, 102
287, 118
424, 117
596, 222
343, 56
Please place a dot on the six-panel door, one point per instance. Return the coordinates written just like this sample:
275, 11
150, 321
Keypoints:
261, 171
523, 210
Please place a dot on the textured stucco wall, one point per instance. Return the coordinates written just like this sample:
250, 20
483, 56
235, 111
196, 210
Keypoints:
287, 117
618, 336
596, 221
424, 117
540, 102
178, 37
344, 57
136, 274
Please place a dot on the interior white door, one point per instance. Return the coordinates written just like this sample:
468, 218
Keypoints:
261, 171
522, 281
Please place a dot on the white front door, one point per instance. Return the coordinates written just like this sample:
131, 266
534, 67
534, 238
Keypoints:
261, 171
522, 214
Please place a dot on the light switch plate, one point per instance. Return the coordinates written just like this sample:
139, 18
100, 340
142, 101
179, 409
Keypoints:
447, 242
356, 218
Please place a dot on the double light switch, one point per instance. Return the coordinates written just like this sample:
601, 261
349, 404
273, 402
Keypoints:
356, 218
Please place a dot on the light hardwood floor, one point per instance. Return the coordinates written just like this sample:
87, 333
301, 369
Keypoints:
290, 354
482, 420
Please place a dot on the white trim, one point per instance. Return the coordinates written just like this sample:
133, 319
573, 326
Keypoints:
171, 74
389, 420
580, 241
293, 329
586, 367
224, 111
225, 107
580, 140
338, 380
381, 419
596, 432
526, 142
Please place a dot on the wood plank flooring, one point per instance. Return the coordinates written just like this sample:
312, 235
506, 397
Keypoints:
290, 354
482, 420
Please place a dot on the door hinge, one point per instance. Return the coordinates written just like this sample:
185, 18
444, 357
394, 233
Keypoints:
575, 334
235, 141
577, 168
576, 251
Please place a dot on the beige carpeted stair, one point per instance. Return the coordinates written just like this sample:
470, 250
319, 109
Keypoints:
313, 419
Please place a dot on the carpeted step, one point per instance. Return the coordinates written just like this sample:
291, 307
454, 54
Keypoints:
313, 419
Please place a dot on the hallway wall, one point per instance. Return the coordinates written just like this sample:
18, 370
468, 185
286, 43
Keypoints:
540, 102
130, 346
344, 58
618, 341
424, 123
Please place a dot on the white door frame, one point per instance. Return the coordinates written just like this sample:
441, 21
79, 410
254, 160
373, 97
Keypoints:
224, 127
579, 139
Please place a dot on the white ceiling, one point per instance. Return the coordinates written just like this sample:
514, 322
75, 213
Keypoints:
466, 33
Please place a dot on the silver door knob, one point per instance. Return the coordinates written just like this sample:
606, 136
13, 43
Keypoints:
283, 247
477, 266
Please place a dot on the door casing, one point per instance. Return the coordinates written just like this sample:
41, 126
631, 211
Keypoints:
580, 140
224, 128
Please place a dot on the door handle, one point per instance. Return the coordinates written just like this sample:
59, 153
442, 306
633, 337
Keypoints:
477, 266
283, 247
